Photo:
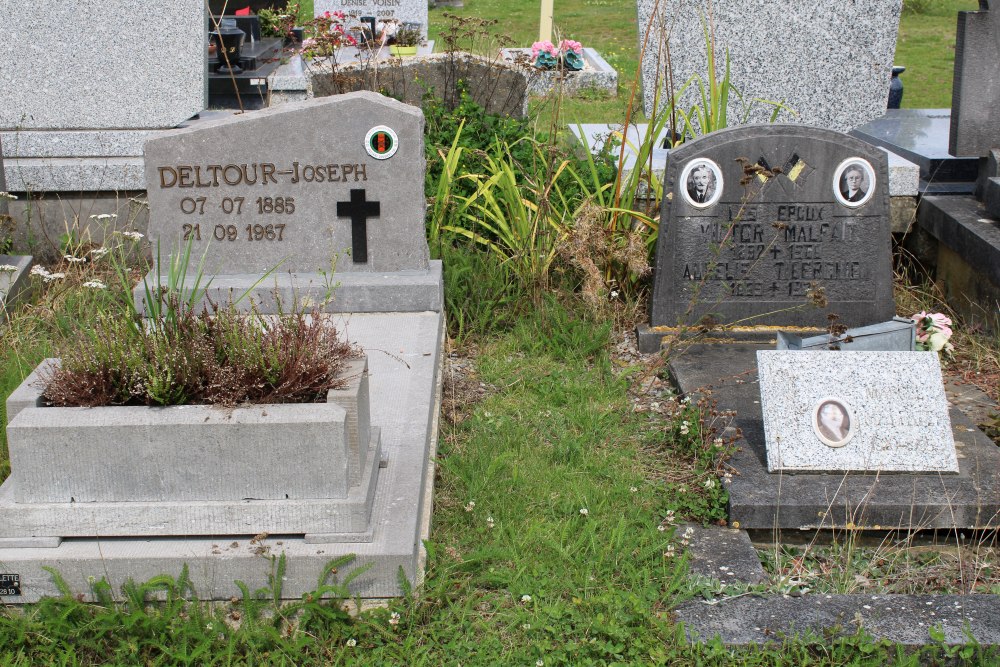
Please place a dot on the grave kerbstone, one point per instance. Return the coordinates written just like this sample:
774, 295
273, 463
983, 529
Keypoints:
975, 127
13, 268
829, 61
405, 11
778, 239
864, 411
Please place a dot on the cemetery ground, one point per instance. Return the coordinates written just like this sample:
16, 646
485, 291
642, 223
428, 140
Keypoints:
568, 471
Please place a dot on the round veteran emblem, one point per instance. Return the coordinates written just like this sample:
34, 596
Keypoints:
381, 142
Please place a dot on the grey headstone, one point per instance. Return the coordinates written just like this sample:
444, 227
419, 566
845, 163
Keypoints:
865, 411
101, 64
830, 61
221, 185
975, 125
406, 11
755, 252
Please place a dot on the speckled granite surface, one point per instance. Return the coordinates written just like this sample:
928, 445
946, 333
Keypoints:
828, 60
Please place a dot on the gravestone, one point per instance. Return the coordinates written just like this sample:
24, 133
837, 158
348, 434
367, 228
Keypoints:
315, 206
85, 84
960, 236
975, 126
776, 233
855, 411
333, 189
405, 11
829, 61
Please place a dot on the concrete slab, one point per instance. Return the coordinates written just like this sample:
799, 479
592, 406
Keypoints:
903, 619
725, 554
404, 363
806, 501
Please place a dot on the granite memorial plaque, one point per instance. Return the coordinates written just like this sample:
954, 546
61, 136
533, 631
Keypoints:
855, 411
975, 125
405, 11
334, 184
777, 225
829, 61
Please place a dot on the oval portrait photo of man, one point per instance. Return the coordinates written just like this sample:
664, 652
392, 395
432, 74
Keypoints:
854, 182
701, 182
833, 422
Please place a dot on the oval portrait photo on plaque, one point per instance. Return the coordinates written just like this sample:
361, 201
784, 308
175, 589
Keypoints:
854, 182
833, 421
701, 182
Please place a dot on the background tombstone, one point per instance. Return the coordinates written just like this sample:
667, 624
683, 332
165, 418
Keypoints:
405, 11
776, 234
975, 125
829, 61
12, 282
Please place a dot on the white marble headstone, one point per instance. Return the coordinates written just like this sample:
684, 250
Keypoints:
855, 411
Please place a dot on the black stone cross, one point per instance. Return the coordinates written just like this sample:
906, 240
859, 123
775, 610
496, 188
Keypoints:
358, 210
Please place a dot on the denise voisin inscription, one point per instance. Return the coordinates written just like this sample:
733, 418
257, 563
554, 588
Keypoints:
765, 221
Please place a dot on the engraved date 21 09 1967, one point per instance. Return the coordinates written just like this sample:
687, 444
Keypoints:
241, 176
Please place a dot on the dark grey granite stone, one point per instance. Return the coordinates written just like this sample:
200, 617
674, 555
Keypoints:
776, 227
921, 136
898, 335
975, 126
725, 554
804, 501
964, 225
903, 619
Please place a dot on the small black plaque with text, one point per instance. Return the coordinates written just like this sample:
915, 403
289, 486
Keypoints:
10, 585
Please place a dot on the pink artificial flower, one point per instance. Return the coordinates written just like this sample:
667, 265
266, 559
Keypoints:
326, 14
568, 45
543, 47
929, 323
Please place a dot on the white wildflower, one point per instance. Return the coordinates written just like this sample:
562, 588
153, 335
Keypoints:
97, 253
7, 268
471, 505
525, 598
584, 511
662, 527
526, 626
709, 483
135, 236
633, 489
95, 284
352, 642
394, 618
104, 216
53, 276
539, 662
489, 522
39, 270
74, 260
669, 553
686, 399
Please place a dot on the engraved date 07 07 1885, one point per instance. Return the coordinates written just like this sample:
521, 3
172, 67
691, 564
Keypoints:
234, 205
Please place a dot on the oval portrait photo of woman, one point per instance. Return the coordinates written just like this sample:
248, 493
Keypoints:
833, 422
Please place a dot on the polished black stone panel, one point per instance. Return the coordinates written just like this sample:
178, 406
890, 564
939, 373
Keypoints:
921, 136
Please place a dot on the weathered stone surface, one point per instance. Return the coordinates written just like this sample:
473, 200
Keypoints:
862, 411
898, 335
805, 501
181, 453
831, 66
769, 245
80, 65
975, 126
725, 554
286, 198
13, 283
903, 619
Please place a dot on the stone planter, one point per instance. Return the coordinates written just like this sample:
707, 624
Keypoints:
188, 453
